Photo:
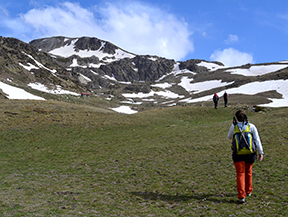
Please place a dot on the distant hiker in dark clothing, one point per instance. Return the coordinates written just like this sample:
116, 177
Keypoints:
225, 98
215, 100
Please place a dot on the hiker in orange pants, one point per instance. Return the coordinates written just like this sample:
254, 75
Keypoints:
244, 162
244, 177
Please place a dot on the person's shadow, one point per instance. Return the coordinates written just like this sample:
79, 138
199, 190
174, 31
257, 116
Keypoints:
216, 198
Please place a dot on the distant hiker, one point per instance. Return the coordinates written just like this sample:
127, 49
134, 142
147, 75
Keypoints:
215, 100
225, 99
245, 139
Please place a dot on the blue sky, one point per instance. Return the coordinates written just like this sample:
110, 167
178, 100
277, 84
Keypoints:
234, 32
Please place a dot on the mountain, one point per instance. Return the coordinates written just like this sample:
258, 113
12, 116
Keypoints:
103, 62
61, 65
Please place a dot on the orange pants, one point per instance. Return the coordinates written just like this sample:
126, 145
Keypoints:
244, 178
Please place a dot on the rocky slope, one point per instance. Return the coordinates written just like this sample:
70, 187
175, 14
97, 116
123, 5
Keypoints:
95, 58
102, 68
22, 64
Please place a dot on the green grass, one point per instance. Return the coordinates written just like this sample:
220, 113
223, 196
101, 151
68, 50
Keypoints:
61, 159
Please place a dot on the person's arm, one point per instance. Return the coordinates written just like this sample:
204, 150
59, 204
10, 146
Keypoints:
231, 132
257, 141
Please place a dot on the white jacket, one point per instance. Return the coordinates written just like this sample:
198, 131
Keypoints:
256, 137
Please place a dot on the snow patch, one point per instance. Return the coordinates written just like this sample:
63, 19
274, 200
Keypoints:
83, 79
253, 88
86, 78
17, 93
148, 100
57, 90
163, 85
75, 64
258, 70
171, 101
152, 58
124, 109
41, 65
211, 66
29, 67
69, 50
131, 101
109, 77
201, 86
176, 71
166, 94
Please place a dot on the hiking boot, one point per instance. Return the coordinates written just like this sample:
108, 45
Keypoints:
242, 200
249, 194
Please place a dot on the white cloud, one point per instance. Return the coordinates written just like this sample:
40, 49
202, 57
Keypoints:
231, 39
232, 57
69, 19
149, 30
133, 26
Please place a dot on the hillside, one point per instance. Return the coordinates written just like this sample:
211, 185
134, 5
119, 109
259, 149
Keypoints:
67, 155
60, 68
62, 159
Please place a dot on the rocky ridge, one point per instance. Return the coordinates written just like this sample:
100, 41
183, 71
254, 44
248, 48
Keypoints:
100, 67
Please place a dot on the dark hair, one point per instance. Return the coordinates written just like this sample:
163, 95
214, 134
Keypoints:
241, 116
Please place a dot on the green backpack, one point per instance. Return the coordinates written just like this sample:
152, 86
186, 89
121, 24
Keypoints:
242, 142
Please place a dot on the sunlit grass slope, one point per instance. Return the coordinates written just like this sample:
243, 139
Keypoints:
61, 159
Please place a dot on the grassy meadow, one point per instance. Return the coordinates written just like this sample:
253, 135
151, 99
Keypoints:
64, 159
